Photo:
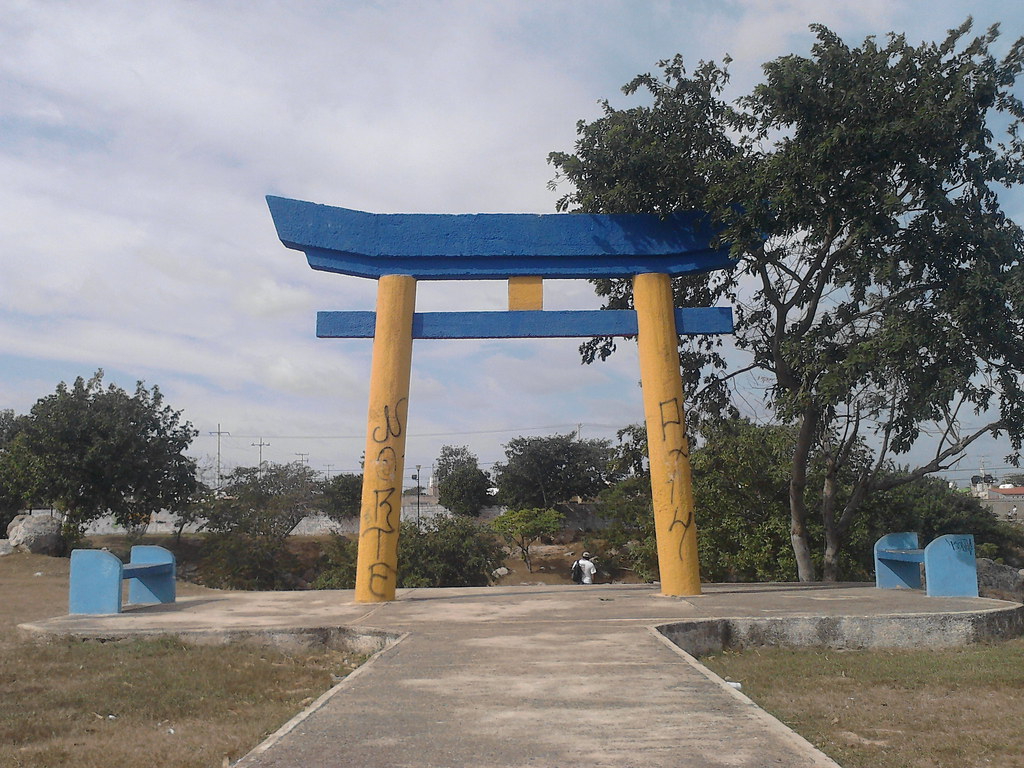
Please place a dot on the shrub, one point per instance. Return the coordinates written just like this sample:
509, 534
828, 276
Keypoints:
338, 564
520, 528
447, 552
241, 561
442, 552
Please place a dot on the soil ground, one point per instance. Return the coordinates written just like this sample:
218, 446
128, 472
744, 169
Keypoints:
552, 564
122, 705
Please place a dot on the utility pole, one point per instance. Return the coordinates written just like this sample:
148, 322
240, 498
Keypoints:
218, 433
419, 490
303, 458
259, 468
327, 472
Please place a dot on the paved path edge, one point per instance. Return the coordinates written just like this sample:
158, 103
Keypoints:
818, 757
325, 697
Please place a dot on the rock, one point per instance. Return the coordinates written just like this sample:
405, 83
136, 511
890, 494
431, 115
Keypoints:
5, 547
497, 573
1000, 581
38, 535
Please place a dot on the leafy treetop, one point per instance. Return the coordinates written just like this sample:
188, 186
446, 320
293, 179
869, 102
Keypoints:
540, 472
99, 449
877, 287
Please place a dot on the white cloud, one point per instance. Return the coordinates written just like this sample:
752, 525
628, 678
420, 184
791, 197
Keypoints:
137, 142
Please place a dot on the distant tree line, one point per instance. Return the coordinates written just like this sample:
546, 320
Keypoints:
741, 490
91, 449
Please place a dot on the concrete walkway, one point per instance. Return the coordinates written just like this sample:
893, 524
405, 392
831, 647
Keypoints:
502, 677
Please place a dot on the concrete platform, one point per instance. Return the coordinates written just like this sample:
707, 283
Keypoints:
600, 676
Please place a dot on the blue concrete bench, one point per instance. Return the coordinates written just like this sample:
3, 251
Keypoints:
950, 567
96, 576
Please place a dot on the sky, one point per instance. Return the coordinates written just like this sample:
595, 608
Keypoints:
138, 140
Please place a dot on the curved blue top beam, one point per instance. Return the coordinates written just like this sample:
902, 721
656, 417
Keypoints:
488, 246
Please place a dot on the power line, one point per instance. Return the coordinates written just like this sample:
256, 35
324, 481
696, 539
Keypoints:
362, 436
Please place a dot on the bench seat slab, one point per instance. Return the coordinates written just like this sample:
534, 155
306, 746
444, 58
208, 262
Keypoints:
905, 555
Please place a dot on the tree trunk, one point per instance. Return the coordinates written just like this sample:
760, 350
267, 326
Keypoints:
801, 548
833, 543
838, 530
830, 566
797, 505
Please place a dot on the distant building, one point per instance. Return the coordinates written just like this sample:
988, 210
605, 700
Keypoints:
980, 485
1003, 500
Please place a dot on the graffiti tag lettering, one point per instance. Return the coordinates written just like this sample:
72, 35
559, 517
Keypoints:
392, 427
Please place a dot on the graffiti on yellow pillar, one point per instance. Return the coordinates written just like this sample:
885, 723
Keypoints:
380, 516
669, 452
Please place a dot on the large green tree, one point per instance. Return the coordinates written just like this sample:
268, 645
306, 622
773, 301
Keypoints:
740, 485
16, 480
462, 486
266, 501
542, 472
878, 282
99, 449
19, 479
451, 458
10, 425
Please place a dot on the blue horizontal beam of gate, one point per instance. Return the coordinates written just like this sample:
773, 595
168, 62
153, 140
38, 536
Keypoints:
531, 324
493, 246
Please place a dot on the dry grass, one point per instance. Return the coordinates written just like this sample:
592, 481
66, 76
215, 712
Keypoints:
894, 709
114, 705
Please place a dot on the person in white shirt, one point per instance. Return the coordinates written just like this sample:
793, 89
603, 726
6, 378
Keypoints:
587, 568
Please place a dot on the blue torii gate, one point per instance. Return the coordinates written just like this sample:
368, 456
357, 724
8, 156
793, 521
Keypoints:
399, 249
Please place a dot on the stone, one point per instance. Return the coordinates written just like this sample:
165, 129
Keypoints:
36, 534
5, 547
497, 573
1000, 582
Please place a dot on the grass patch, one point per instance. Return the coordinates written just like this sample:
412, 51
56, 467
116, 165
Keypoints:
893, 708
125, 704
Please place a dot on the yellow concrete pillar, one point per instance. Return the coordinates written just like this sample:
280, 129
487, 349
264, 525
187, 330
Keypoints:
377, 564
671, 483
525, 293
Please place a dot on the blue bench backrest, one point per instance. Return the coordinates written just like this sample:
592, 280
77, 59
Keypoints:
950, 564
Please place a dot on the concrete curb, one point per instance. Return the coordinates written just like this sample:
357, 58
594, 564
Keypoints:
292, 724
935, 630
818, 758
364, 640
